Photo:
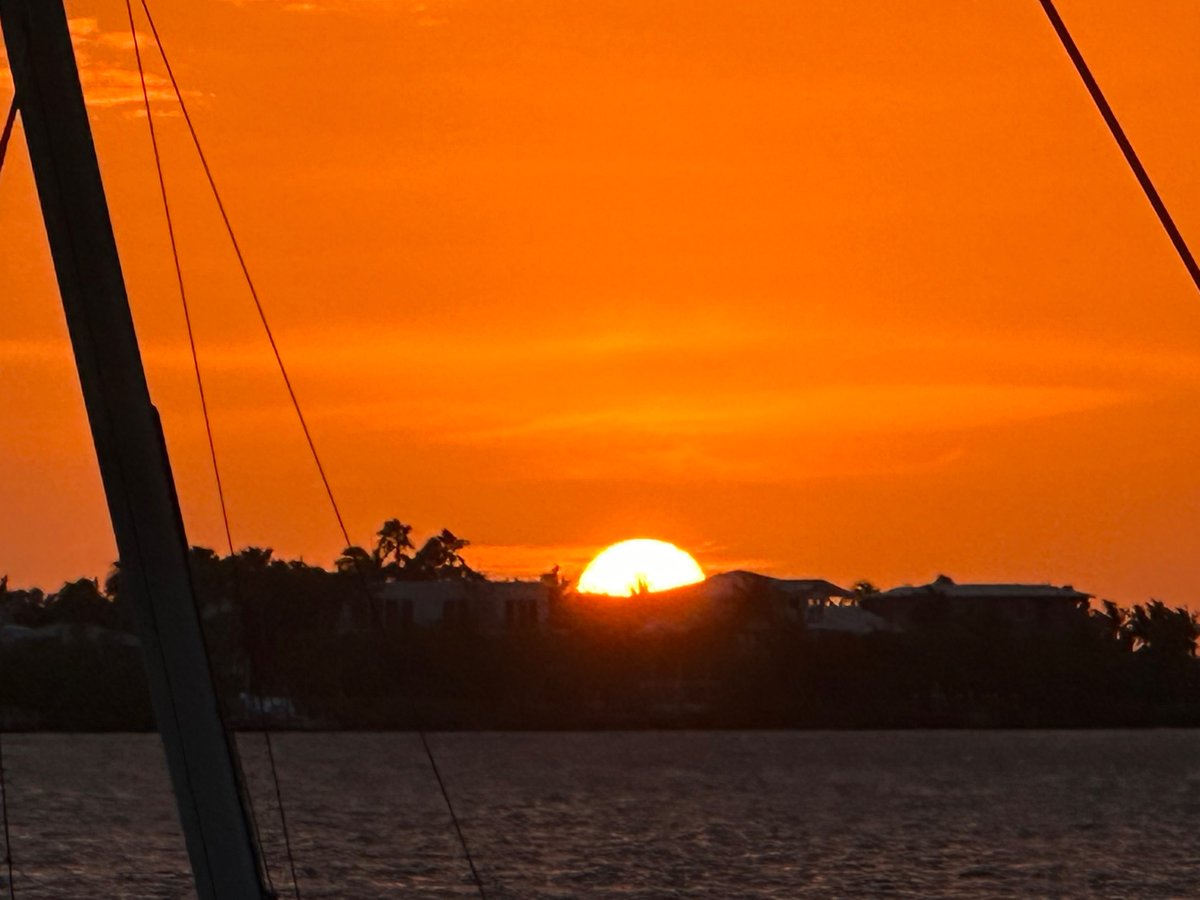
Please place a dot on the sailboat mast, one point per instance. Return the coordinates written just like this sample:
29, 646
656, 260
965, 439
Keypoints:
134, 467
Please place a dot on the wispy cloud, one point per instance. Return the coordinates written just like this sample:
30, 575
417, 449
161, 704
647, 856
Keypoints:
524, 560
108, 70
444, 393
835, 410
529, 560
819, 352
368, 354
822, 352
423, 13
579, 407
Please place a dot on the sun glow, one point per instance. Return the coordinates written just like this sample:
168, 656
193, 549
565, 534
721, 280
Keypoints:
642, 564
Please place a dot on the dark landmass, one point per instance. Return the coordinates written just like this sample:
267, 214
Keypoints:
397, 639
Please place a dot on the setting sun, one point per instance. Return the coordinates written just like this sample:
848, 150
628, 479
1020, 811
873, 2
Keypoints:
641, 564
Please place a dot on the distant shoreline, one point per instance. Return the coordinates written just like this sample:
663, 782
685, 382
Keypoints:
616, 729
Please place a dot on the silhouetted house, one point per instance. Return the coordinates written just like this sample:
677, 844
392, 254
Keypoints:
847, 617
789, 599
820, 605
66, 634
489, 607
823, 607
18, 718
745, 604
1024, 606
262, 709
21, 634
826, 608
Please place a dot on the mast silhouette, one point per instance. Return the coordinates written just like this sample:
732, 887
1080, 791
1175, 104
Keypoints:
155, 579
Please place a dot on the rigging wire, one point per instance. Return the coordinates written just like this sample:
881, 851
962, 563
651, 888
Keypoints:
462, 838
208, 430
287, 381
365, 586
295, 402
1131, 157
9, 121
8, 860
269, 744
106, 413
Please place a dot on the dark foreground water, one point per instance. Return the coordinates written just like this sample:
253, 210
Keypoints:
741, 814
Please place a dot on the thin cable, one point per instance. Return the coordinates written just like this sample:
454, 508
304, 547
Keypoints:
187, 317
9, 121
287, 841
8, 861
256, 692
212, 451
105, 412
246, 273
1131, 157
433, 765
295, 403
462, 838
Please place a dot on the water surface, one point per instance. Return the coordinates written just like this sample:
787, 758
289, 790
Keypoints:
642, 815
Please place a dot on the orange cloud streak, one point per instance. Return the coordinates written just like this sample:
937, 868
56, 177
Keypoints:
812, 291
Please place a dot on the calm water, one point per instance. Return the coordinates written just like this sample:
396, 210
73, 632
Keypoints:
744, 814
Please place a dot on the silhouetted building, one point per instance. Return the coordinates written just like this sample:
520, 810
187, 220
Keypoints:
746, 604
66, 634
489, 607
1026, 606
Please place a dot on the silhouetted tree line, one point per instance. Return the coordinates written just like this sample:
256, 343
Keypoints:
79, 602
278, 629
72, 676
394, 557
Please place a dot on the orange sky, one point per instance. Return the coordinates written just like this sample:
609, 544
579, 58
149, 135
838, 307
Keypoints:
850, 290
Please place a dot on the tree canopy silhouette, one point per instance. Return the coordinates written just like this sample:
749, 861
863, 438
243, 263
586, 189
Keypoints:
392, 558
